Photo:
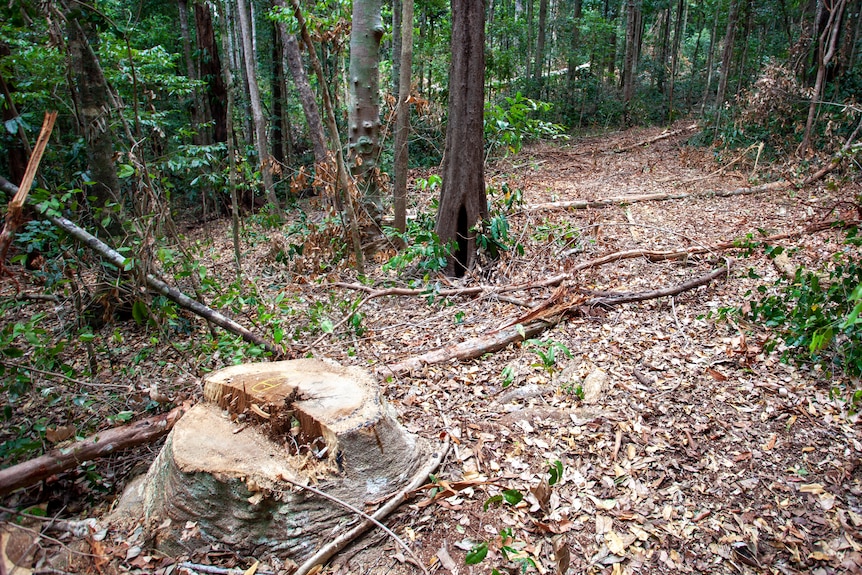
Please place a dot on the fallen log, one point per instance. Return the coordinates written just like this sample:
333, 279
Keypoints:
101, 444
546, 315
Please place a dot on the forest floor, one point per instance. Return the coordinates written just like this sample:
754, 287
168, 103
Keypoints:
684, 446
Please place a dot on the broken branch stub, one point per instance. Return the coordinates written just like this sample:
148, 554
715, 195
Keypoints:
219, 479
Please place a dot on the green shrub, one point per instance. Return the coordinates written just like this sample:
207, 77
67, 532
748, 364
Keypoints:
816, 314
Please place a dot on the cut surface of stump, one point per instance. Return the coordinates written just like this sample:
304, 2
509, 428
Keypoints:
221, 476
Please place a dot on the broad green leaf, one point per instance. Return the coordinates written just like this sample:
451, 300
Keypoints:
125, 171
140, 313
513, 496
476, 554
556, 472
124, 416
493, 500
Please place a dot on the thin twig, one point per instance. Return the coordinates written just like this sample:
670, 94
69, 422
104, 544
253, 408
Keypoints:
61, 376
327, 551
212, 569
53, 540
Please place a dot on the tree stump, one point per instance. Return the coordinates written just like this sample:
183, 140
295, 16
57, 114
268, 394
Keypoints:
220, 477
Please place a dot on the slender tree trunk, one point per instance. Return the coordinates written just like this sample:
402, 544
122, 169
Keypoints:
574, 43
306, 95
231, 152
694, 57
397, 9
709, 62
210, 72
462, 199
674, 57
92, 96
538, 73
727, 52
855, 38
826, 43
528, 53
402, 128
191, 73
661, 75
343, 186
743, 58
633, 23
364, 108
260, 136
279, 95
610, 64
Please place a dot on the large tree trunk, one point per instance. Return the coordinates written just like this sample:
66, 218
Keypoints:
462, 199
260, 135
402, 122
91, 91
210, 71
364, 108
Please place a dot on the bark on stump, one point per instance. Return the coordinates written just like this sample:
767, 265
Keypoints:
221, 479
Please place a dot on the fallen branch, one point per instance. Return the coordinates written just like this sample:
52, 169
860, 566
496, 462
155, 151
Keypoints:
477, 346
163, 288
546, 315
374, 293
779, 185
835, 161
157, 284
327, 551
655, 294
649, 255
99, 445
664, 135
213, 570
661, 196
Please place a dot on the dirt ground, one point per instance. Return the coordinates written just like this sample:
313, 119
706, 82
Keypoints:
675, 443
